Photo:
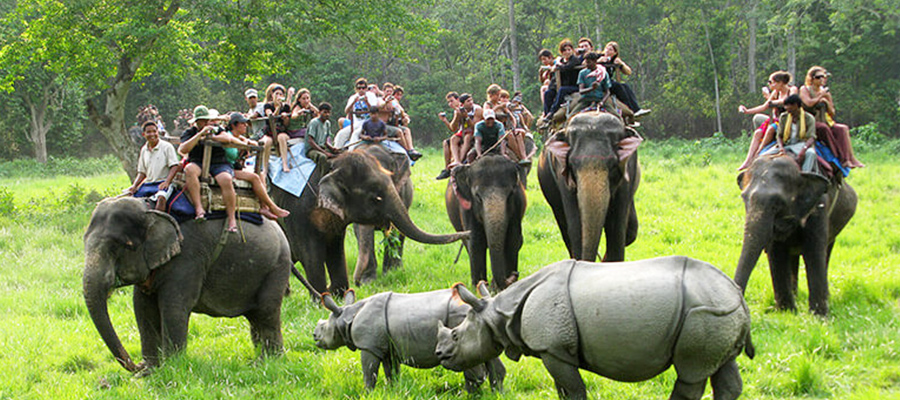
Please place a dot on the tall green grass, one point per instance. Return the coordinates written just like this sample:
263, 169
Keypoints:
688, 204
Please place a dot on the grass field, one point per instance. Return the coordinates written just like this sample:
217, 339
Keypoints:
688, 204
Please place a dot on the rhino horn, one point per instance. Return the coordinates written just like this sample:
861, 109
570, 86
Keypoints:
349, 297
482, 287
469, 298
329, 303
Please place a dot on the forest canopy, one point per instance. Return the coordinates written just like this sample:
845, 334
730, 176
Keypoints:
76, 71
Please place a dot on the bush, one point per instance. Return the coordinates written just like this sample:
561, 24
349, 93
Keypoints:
29, 168
7, 206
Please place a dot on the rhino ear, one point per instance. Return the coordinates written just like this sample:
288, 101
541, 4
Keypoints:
483, 290
469, 298
329, 303
349, 297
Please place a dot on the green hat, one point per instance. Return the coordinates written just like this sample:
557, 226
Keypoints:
201, 112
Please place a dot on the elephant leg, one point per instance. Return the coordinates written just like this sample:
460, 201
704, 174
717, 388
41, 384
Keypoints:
814, 249
552, 192
146, 313
687, 391
726, 382
569, 384
265, 320
795, 272
337, 266
175, 320
477, 253
616, 226
632, 230
779, 267
370, 365
393, 253
313, 255
513, 246
366, 268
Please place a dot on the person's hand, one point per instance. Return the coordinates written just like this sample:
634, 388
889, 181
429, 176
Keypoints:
164, 185
742, 109
443, 117
130, 190
603, 59
596, 84
617, 61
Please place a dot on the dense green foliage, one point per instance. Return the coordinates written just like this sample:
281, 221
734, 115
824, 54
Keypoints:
685, 55
688, 204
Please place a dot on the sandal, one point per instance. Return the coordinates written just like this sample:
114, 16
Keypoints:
233, 229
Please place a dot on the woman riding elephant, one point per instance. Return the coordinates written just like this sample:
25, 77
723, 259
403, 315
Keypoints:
589, 173
176, 270
358, 189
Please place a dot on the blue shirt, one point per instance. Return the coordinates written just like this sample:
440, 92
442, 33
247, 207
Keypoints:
586, 81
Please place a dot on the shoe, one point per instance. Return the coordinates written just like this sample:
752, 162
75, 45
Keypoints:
642, 112
414, 154
525, 161
443, 175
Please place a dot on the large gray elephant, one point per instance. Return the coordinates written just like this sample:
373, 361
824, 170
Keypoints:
179, 269
366, 265
356, 190
489, 201
790, 213
589, 174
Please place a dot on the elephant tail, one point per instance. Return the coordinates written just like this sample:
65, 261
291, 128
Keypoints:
315, 293
749, 350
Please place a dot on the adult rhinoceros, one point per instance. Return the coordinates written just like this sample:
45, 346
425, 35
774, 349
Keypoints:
625, 321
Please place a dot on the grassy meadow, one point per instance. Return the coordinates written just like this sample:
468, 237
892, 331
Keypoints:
688, 204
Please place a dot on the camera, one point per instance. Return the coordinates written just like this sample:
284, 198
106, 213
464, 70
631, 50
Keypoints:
442, 114
580, 51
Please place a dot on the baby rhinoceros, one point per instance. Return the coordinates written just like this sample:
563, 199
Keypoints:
626, 321
395, 328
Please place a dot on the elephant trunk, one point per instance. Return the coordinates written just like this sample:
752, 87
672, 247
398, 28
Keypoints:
399, 216
758, 231
98, 280
593, 203
496, 223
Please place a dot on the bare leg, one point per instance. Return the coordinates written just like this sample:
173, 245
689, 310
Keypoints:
260, 191
283, 151
230, 197
754, 148
448, 156
408, 135
468, 140
455, 150
853, 161
192, 186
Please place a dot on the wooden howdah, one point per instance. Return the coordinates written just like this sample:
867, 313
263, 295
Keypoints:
211, 194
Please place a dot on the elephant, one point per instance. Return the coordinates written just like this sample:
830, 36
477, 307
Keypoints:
791, 213
179, 269
589, 173
356, 189
489, 201
628, 321
366, 266
390, 329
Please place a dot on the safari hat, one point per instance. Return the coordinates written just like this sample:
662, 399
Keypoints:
201, 112
488, 114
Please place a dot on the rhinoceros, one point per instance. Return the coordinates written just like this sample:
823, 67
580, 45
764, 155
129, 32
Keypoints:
396, 328
626, 321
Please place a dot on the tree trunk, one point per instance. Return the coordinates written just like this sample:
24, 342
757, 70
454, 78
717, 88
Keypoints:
791, 53
712, 58
513, 47
39, 126
111, 122
751, 49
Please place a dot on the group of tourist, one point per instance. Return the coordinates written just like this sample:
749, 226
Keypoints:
792, 119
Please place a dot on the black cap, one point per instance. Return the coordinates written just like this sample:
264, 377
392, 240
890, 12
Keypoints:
236, 117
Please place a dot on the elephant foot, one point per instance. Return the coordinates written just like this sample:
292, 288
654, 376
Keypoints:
144, 369
365, 280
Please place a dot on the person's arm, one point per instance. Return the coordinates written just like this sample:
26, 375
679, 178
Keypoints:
173, 170
478, 145
807, 98
622, 66
138, 180
348, 110
458, 117
186, 146
479, 115
527, 117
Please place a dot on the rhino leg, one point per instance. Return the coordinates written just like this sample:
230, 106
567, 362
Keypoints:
726, 382
391, 368
370, 365
496, 372
567, 378
688, 391
474, 379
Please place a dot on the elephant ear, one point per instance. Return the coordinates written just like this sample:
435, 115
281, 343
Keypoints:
522, 174
163, 238
809, 195
462, 186
742, 183
626, 148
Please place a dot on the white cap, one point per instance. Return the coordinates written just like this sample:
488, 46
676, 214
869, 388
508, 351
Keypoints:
251, 93
489, 113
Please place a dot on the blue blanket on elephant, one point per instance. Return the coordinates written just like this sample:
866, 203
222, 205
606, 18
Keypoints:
293, 181
828, 162
179, 207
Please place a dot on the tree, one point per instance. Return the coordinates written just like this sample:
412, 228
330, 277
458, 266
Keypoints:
105, 45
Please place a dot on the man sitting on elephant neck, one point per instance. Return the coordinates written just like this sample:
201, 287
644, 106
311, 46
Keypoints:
317, 147
797, 134
158, 162
593, 83
488, 133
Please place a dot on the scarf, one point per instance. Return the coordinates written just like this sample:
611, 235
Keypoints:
787, 127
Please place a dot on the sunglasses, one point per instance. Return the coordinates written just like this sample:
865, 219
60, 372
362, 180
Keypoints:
819, 76
361, 87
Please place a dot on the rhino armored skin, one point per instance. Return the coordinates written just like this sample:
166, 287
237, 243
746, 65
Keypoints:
626, 321
396, 328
